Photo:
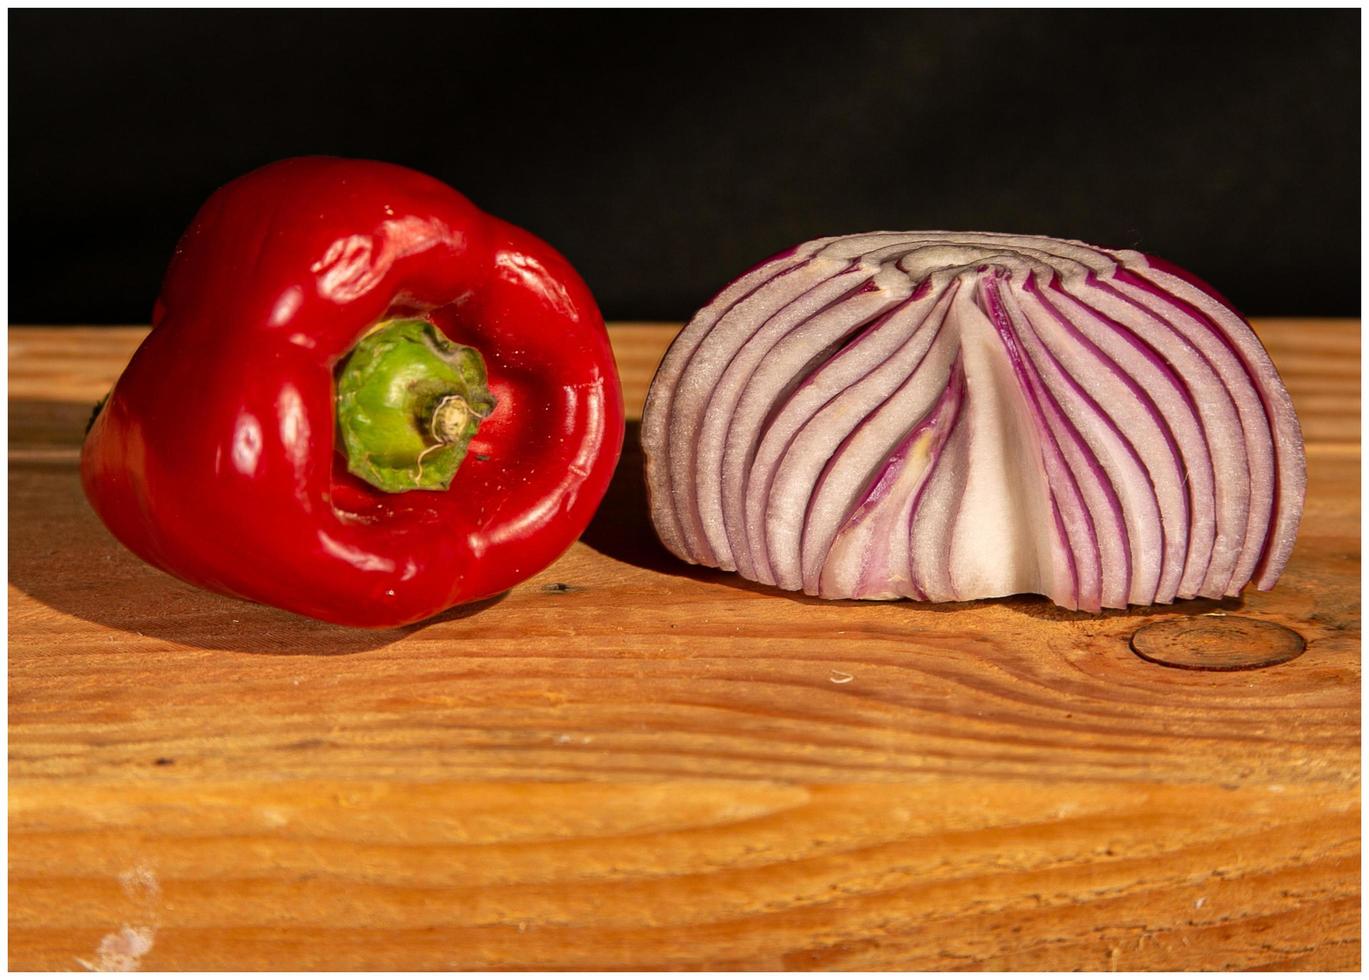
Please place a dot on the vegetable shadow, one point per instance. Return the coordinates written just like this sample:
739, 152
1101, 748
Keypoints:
63, 557
1039, 607
622, 529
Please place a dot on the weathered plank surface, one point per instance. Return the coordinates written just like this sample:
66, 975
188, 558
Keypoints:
626, 762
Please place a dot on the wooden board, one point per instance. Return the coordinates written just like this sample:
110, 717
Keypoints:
630, 763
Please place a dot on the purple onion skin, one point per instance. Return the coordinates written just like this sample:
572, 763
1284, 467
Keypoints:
982, 501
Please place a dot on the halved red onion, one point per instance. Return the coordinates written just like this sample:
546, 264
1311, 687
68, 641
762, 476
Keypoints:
945, 416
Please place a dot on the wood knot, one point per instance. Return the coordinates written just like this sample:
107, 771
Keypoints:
1216, 643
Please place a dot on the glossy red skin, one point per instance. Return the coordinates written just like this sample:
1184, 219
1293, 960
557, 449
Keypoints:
214, 457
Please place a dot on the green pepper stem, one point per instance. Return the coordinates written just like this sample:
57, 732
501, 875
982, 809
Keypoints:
408, 403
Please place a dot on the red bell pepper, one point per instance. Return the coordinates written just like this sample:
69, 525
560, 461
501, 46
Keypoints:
362, 399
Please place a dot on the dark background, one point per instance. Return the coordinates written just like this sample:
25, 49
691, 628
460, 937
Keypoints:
665, 151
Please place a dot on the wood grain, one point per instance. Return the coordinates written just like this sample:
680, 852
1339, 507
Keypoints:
630, 763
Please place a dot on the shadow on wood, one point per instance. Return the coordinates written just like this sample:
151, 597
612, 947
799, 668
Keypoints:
622, 528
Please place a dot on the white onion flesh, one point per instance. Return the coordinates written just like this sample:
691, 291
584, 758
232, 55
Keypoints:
943, 416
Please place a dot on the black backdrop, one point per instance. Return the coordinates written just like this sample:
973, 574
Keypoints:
664, 151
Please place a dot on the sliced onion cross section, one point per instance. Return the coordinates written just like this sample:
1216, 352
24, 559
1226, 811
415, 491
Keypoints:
947, 416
